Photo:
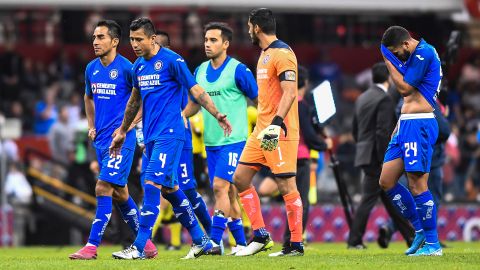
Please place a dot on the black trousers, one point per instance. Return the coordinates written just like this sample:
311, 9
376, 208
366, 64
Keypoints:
303, 186
370, 192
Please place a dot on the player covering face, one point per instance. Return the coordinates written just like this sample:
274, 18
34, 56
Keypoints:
108, 86
415, 69
159, 76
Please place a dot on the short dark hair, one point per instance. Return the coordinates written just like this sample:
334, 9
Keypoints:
263, 17
165, 34
114, 29
394, 36
303, 76
144, 23
380, 73
226, 31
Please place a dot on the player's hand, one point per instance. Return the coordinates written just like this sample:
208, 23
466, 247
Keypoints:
117, 143
185, 121
92, 133
269, 137
224, 123
329, 143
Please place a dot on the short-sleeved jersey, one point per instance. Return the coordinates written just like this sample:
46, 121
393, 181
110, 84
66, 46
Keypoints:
110, 88
275, 60
424, 71
228, 85
161, 81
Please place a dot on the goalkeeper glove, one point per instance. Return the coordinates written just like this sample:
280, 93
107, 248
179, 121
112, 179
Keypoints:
269, 137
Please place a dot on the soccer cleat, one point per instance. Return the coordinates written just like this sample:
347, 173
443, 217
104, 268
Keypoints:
85, 253
198, 250
384, 236
236, 249
429, 250
216, 249
256, 245
417, 243
288, 251
150, 250
130, 253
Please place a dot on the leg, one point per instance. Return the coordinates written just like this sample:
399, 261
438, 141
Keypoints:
222, 208
103, 192
268, 187
235, 224
371, 192
303, 186
427, 212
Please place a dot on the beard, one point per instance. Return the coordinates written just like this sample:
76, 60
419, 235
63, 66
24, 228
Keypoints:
404, 57
254, 39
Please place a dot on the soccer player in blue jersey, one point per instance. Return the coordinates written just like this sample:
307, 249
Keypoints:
415, 69
228, 82
108, 85
159, 76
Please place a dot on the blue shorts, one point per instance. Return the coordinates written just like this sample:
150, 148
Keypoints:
186, 177
414, 141
114, 170
163, 157
222, 160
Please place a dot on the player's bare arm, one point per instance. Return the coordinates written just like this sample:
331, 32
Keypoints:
205, 101
133, 106
288, 97
137, 120
191, 109
403, 87
90, 112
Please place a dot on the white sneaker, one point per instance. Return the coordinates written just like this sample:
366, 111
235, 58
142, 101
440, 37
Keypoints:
130, 253
256, 245
197, 251
236, 249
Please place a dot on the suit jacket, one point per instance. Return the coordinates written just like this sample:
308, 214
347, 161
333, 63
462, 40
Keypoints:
373, 124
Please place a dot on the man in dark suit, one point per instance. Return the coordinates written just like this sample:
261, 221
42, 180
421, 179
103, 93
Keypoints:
373, 124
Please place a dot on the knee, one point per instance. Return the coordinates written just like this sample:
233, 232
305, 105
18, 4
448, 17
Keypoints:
120, 195
239, 184
168, 190
103, 189
220, 189
385, 184
416, 188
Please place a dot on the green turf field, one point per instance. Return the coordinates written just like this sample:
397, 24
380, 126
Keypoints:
459, 255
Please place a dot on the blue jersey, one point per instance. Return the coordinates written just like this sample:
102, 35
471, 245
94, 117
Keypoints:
110, 88
161, 81
424, 71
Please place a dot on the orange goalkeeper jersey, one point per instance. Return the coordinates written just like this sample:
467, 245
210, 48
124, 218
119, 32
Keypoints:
278, 59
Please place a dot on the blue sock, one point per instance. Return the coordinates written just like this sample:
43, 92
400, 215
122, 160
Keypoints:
200, 208
402, 200
427, 211
236, 228
129, 212
219, 224
262, 232
150, 210
184, 213
102, 217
